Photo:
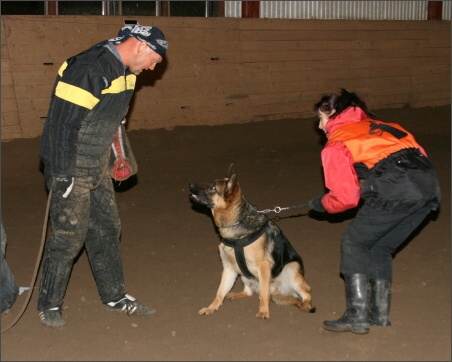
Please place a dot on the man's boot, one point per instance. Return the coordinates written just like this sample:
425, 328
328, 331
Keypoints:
355, 318
380, 302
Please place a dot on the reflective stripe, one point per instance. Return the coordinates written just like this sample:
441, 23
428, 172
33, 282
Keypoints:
75, 95
131, 80
119, 85
62, 69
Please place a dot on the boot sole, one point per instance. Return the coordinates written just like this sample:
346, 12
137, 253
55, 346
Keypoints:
362, 330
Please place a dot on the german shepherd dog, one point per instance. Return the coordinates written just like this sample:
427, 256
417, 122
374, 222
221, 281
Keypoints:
253, 247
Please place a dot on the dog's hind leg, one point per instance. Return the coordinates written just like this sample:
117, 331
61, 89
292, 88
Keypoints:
243, 294
302, 288
287, 300
292, 288
250, 286
228, 278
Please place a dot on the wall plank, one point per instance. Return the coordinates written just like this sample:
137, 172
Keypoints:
231, 70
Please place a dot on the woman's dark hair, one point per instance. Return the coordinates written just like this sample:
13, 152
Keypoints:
338, 102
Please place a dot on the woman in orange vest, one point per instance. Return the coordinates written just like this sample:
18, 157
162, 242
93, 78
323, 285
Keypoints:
381, 168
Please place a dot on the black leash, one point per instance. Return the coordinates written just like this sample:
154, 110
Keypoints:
278, 209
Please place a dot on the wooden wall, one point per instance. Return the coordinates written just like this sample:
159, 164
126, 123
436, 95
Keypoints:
228, 70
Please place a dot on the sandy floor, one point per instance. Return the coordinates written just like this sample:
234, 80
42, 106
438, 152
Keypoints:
171, 260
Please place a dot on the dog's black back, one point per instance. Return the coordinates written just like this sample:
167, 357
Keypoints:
283, 251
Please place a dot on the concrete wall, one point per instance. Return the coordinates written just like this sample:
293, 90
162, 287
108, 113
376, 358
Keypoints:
227, 70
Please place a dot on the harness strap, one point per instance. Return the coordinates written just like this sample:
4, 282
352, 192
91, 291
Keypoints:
239, 244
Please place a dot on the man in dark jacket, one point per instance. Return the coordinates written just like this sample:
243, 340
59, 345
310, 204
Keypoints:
382, 165
91, 96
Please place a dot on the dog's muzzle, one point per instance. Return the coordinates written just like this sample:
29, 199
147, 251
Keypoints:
197, 194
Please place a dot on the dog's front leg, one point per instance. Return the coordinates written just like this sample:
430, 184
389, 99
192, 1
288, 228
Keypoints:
264, 291
228, 278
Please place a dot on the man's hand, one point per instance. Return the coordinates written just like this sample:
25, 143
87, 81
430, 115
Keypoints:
64, 185
316, 204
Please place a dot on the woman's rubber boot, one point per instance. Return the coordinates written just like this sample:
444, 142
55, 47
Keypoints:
355, 318
380, 302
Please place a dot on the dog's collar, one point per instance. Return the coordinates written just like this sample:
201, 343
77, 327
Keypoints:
239, 244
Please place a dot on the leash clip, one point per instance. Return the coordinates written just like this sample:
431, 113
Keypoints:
278, 209
264, 211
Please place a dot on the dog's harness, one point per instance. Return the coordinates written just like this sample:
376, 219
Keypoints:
239, 244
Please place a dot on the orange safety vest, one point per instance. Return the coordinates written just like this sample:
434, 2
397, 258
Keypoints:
370, 141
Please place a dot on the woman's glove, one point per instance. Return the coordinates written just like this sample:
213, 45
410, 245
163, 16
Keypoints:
316, 204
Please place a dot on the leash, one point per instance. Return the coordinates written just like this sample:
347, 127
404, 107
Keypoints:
278, 209
43, 241
40, 253
38, 262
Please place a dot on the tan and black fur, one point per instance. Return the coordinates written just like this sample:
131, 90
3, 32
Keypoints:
273, 268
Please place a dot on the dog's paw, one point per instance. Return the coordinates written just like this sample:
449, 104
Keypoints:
207, 311
263, 315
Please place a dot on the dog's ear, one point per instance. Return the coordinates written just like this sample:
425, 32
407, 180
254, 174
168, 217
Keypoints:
231, 170
232, 183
